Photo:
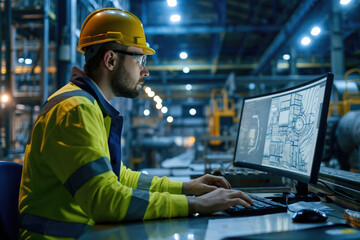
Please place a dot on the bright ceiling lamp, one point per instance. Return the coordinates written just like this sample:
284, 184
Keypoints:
147, 89
151, 93
169, 119
305, 41
4, 98
186, 69
158, 106
183, 55
164, 109
345, 2
188, 87
172, 3
146, 112
315, 31
156, 98
286, 57
192, 111
175, 18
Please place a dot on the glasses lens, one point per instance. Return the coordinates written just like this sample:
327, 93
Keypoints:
143, 61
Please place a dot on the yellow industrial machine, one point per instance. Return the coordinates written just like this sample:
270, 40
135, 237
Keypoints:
220, 114
350, 100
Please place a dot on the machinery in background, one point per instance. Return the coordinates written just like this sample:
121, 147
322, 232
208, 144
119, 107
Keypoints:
343, 127
350, 99
221, 116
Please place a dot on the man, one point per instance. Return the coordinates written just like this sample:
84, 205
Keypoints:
73, 176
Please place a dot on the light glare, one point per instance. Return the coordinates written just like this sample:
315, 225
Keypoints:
147, 89
169, 119
151, 94
28, 61
172, 3
188, 87
4, 98
158, 106
192, 111
186, 70
146, 112
305, 41
315, 31
175, 18
156, 98
252, 86
164, 109
286, 57
345, 2
183, 55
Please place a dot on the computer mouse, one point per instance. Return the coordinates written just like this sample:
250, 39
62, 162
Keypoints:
309, 216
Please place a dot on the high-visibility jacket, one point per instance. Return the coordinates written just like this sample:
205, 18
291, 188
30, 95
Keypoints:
73, 176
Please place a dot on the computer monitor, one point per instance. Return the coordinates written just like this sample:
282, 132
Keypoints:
283, 132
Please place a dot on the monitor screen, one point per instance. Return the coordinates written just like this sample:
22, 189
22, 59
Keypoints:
284, 132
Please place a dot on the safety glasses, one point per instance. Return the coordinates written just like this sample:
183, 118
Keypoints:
141, 58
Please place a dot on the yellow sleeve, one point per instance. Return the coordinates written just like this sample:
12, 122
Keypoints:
135, 179
83, 166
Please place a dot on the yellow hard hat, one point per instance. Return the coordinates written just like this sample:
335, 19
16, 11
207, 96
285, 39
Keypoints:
112, 24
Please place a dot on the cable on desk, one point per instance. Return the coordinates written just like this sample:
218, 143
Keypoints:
337, 193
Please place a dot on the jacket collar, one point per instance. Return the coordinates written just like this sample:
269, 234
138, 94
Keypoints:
85, 83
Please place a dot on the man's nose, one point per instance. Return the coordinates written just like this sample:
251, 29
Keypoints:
144, 72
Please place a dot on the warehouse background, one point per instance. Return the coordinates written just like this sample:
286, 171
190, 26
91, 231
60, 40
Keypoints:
209, 56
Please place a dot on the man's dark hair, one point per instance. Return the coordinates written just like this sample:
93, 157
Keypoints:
93, 63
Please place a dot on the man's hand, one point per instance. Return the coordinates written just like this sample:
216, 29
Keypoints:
204, 184
218, 200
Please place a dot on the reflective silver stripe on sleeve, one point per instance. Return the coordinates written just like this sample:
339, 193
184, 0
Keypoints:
144, 182
138, 205
51, 227
86, 172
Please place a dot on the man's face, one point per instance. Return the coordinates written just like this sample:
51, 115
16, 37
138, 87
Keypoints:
127, 80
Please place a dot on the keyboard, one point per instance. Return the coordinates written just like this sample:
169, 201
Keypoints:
261, 206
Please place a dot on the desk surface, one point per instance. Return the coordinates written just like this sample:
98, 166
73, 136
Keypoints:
196, 228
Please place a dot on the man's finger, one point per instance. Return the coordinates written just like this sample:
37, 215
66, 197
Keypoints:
221, 182
239, 194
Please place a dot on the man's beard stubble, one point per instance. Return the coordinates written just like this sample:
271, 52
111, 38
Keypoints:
121, 84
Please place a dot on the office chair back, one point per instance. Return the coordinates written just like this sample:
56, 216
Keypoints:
10, 176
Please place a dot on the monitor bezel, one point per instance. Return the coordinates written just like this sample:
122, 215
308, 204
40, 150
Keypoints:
319, 141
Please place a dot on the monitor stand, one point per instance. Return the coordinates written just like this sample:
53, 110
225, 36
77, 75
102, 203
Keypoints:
301, 194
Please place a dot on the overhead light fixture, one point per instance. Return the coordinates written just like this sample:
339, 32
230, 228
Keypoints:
305, 41
28, 61
164, 109
315, 31
252, 86
147, 89
188, 87
286, 57
186, 70
192, 111
156, 98
151, 93
4, 98
183, 55
172, 3
169, 119
345, 2
158, 106
146, 112
175, 18
21, 60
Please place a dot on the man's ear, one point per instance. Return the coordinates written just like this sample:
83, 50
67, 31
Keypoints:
109, 60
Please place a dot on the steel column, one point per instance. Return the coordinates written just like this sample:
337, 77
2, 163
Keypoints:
337, 44
8, 76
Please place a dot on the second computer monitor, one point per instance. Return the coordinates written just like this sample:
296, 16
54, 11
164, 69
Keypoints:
284, 132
